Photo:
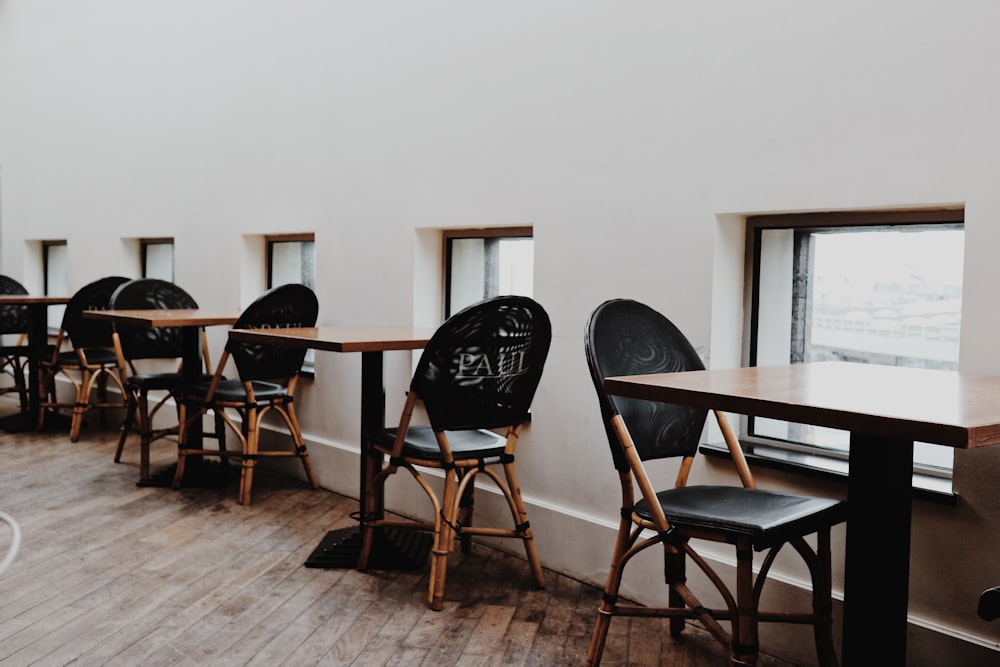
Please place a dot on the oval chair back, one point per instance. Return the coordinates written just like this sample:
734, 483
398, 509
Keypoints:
625, 337
13, 318
481, 367
292, 305
86, 333
151, 294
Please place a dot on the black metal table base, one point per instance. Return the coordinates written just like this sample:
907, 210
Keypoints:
21, 422
393, 549
200, 475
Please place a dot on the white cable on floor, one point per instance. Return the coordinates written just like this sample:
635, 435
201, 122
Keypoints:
15, 541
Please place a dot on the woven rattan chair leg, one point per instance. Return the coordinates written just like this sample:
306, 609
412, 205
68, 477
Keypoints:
599, 636
443, 542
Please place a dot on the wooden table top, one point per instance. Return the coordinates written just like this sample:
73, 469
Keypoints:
28, 299
341, 338
166, 317
960, 410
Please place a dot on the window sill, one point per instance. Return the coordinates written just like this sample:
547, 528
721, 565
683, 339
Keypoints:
925, 487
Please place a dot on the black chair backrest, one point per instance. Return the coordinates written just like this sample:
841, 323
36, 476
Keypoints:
85, 333
292, 305
481, 367
151, 294
625, 337
13, 318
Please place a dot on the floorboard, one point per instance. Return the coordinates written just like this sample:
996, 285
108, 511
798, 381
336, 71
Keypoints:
113, 574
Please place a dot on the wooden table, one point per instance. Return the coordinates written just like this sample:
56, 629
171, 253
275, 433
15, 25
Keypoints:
38, 338
190, 321
886, 409
341, 548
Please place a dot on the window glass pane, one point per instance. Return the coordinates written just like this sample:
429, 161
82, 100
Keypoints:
889, 296
292, 262
158, 261
484, 267
517, 267
56, 262
468, 273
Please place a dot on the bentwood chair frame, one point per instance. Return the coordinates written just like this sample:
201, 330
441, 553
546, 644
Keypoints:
92, 356
268, 377
14, 322
476, 378
624, 337
140, 347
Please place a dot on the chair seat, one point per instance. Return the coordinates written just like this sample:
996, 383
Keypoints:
233, 390
23, 351
421, 443
95, 357
769, 517
155, 381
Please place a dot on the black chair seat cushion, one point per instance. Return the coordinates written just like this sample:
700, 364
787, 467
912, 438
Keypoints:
24, 350
232, 391
157, 381
421, 443
95, 357
770, 518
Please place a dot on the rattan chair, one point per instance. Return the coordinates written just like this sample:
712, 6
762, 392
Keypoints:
268, 376
90, 363
476, 377
624, 337
149, 349
14, 322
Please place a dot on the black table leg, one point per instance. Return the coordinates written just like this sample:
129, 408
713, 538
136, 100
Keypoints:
876, 577
198, 472
393, 549
38, 337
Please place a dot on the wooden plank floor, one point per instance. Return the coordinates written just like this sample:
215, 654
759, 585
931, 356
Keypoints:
113, 574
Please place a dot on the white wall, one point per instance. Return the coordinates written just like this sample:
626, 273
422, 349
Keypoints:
633, 136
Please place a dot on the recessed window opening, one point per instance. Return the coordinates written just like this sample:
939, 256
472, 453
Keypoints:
157, 257
876, 288
483, 263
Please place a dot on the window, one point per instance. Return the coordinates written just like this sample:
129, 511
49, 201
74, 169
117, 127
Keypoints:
876, 288
482, 263
292, 259
157, 256
55, 267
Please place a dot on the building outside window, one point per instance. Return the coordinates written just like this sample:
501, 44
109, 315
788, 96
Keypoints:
157, 257
55, 267
483, 263
875, 288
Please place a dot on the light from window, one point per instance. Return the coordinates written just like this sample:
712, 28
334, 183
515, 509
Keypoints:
484, 267
55, 263
888, 295
158, 259
291, 261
